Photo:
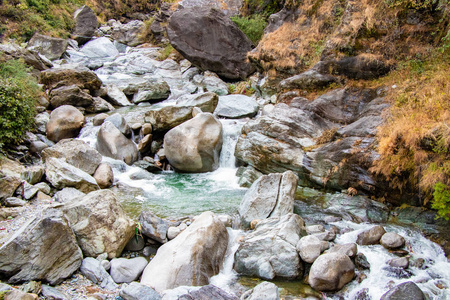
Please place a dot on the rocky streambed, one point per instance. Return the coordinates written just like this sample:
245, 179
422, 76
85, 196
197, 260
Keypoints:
134, 190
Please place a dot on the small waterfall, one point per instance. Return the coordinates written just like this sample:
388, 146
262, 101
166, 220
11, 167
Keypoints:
227, 275
231, 131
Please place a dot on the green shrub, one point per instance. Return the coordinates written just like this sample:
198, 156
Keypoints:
441, 200
18, 94
253, 26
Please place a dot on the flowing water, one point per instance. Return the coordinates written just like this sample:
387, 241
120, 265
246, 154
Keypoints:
171, 194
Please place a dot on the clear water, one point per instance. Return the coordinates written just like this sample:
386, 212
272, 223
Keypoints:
171, 194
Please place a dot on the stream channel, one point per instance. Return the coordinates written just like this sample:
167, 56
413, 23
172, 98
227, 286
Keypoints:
174, 195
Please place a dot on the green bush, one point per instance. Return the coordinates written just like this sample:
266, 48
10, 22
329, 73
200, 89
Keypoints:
441, 200
18, 95
253, 26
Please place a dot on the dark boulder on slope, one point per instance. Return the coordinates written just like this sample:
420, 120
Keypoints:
210, 40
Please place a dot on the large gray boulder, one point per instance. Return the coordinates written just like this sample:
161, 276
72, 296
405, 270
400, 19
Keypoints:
269, 196
100, 223
156, 90
116, 96
236, 106
392, 240
65, 122
127, 270
85, 24
270, 251
92, 269
310, 248
44, 248
112, 143
62, 174
407, 290
210, 40
194, 256
51, 47
331, 271
137, 291
153, 227
195, 145
75, 152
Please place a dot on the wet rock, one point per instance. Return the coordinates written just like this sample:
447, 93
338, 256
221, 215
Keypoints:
116, 96
155, 91
308, 80
371, 236
148, 166
270, 250
153, 227
99, 119
348, 249
85, 24
120, 123
129, 33
65, 122
270, 196
236, 107
310, 248
137, 291
207, 102
136, 243
326, 236
146, 129
361, 262
104, 176
61, 174
407, 290
100, 48
75, 152
265, 290
112, 143
212, 83
94, 271
100, 223
44, 248
208, 292
127, 270
401, 262
397, 272
331, 271
66, 76
168, 117
195, 145
210, 40
311, 229
194, 265
70, 95
392, 240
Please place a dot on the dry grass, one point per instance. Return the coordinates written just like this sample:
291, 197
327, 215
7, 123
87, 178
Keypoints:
414, 142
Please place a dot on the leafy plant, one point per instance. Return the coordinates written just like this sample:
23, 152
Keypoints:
441, 200
253, 26
18, 94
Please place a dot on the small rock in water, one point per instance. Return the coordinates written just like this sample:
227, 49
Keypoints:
361, 262
397, 272
401, 262
99, 119
371, 236
348, 249
407, 290
173, 232
392, 240
265, 290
